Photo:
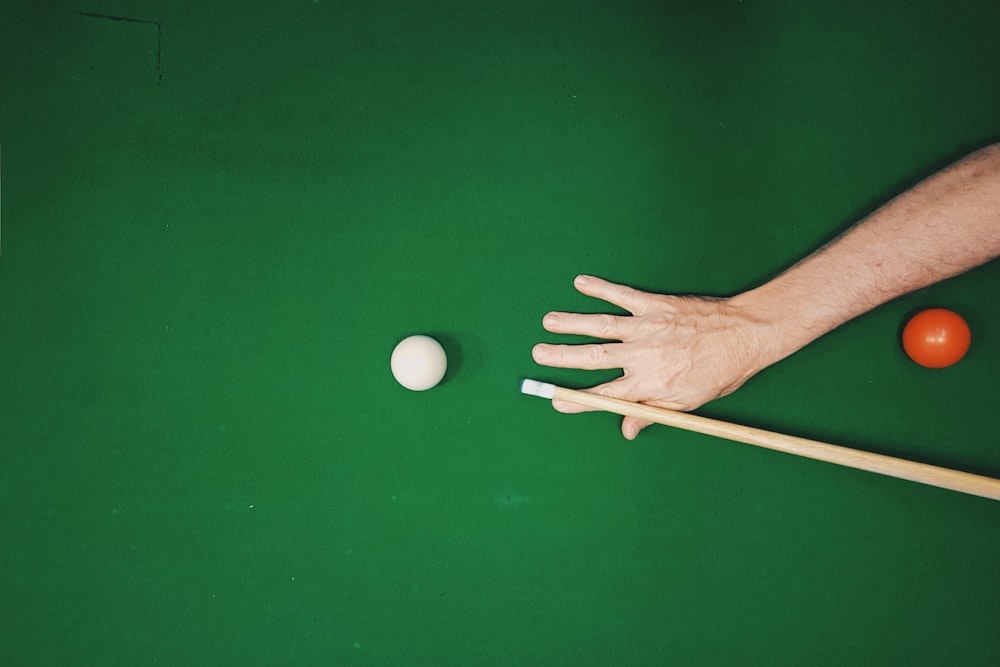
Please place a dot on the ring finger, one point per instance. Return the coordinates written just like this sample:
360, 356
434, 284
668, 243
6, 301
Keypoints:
608, 327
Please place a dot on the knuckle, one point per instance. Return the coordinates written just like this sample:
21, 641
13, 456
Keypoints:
596, 355
607, 391
625, 293
606, 325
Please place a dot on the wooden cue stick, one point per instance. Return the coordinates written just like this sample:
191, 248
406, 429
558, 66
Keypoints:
945, 478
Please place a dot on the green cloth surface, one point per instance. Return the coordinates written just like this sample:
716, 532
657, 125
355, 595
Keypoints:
219, 218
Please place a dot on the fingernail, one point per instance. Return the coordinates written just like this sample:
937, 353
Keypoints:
559, 405
582, 280
550, 320
538, 352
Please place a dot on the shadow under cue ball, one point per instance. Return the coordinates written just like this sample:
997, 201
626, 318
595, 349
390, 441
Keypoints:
418, 362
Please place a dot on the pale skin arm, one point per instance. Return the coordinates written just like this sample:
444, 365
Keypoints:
682, 352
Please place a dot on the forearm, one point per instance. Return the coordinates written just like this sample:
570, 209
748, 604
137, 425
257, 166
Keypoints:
944, 226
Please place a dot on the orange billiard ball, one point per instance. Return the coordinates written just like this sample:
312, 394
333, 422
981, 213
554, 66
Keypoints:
936, 338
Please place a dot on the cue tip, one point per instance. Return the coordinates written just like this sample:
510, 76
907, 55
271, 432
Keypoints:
536, 388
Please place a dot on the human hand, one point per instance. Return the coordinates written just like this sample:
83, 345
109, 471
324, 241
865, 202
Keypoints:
676, 352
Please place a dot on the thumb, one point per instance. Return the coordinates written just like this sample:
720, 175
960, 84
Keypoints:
631, 426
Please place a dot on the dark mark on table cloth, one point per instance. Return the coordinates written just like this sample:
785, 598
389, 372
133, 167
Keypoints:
125, 19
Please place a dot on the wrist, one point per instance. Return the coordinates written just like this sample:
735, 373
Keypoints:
779, 325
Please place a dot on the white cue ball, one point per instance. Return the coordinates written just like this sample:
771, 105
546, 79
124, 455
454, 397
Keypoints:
418, 362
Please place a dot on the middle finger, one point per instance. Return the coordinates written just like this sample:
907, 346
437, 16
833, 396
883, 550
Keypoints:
592, 357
